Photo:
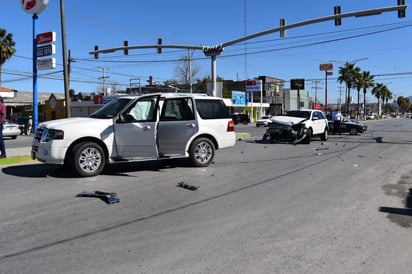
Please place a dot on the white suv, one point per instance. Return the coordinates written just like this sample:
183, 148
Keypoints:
133, 128
299, 126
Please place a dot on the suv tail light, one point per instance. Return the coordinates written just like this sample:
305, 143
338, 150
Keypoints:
230, 126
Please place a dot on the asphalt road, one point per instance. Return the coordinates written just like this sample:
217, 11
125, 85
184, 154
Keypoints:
328, 207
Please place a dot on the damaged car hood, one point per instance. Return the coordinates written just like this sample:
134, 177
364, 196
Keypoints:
287, 120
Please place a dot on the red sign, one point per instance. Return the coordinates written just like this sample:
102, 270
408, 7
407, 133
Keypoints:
251, 83
45, 38
34, 6
328, 66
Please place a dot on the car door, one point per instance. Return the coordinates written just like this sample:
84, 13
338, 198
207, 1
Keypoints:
135, 131
176, 126
318, 122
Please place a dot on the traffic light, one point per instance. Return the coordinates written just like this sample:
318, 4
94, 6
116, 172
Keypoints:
401, 12
282, 31
338, 21
159, 43
125, 47
96, 53
150, 81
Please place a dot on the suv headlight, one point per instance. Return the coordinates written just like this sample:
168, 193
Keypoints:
52, 134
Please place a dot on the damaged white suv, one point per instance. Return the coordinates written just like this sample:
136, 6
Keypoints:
298, 126
133, 128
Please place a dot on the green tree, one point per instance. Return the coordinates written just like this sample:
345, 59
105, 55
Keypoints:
378, 91
6, 48
364, 80
403, 104
348, 74
386, 96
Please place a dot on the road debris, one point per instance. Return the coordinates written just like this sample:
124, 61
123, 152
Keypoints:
108, 197
187, 186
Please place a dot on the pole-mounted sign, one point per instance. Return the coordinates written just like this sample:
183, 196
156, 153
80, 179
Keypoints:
34, 6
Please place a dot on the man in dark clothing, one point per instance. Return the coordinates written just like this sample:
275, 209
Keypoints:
337, 118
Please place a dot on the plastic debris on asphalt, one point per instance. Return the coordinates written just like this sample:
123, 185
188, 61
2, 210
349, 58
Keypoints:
108, 197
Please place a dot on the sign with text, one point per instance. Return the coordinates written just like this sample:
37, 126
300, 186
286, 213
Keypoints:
46, 50
323, 67
253, 85
46, 38
47, 63
297, 84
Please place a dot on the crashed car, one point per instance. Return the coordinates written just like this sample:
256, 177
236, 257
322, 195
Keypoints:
350, 126
298, 126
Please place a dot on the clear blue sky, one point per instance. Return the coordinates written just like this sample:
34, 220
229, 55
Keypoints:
384, 39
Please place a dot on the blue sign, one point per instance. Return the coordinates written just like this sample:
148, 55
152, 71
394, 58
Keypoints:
238, 97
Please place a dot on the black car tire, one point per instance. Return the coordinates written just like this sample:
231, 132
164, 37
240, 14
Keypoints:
353, 131
308, 136
202, 152
86, 159
324, 136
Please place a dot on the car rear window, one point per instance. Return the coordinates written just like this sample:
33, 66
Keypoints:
212, 109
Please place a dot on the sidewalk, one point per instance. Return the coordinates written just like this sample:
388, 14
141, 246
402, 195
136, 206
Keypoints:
21, 151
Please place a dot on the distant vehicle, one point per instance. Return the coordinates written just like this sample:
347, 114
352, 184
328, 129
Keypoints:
23, 124
298, 126
264, 121
372, 116
350, 126
241, 119
10, 129
138, 128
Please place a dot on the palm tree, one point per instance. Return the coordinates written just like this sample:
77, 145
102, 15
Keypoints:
386, 96
364, 81
6, 48
378, 91
348, 76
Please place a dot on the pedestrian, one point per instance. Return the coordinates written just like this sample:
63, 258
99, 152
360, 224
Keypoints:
2, 119
29, 126
337, 119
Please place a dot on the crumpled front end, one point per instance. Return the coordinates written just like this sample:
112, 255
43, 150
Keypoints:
287, 129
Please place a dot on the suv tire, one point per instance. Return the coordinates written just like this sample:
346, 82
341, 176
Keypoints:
86, 159
201, 152
324, 136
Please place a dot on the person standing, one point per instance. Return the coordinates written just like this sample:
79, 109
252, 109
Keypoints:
2, 119
337, 118
29, 126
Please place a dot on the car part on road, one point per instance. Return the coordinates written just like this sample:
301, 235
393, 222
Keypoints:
108, 197
187, 186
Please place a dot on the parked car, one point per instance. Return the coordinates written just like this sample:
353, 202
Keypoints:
23, 123
10, 129
372, 116
298, 126
241, 119
264, 121
350, 126
137, 128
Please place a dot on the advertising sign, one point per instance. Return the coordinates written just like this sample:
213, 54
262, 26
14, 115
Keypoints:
253, 85
46, 50
34, 6
238, 98
45, 38
323, 67
48, 63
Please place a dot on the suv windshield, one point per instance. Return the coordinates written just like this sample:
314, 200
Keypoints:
298, 113
110, 110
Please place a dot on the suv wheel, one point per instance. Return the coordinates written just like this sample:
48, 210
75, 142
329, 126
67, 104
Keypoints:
86, 159
201, 152
324, 136
308, 136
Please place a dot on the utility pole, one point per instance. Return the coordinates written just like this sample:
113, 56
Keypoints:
340, 99
316, 82
104, 79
